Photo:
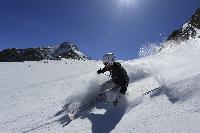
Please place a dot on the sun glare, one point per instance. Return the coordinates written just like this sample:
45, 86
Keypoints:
126, 3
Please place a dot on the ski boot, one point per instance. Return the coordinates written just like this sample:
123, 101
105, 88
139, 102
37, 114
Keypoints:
115, 102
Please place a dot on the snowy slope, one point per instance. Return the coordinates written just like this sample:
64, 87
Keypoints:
32, 95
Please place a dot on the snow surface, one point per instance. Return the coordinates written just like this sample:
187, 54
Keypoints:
32, 95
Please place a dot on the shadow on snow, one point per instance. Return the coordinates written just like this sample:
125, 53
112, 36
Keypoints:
101, 123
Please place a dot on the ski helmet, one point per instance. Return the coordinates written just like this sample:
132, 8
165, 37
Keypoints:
108, 58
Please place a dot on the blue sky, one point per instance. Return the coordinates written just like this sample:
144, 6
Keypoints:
96, 26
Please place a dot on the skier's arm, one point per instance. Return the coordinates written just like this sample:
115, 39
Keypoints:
102, 70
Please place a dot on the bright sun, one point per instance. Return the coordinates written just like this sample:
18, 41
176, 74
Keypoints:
125, 1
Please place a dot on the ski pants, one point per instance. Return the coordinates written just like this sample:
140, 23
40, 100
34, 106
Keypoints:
110, 85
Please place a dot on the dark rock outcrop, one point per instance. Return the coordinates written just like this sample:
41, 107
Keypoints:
65, 50
188, 30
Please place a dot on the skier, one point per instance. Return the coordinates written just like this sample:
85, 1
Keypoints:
117, 72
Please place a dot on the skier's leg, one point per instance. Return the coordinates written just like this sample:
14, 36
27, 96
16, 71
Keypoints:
116, 98
107, 86
121, 92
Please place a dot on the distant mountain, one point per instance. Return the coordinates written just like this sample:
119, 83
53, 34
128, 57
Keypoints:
188, 30
65, 50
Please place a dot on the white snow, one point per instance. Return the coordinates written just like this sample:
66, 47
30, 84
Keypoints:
32, 95
185, 26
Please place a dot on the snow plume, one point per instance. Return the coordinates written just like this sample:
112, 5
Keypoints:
94, 88
177, 65
137, 69
179, 60
174, 71
148, 49
182, 90
172, 68
88, 92
167, 70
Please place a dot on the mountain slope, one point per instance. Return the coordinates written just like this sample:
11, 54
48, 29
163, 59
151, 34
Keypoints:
32, 94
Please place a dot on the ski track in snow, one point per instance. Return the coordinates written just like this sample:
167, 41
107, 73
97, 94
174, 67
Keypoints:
32, 97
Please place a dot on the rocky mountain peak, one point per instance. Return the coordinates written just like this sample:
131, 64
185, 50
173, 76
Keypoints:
187, 30
65, 50
68, 45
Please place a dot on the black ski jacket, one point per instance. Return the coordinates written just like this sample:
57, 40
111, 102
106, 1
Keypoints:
118, 74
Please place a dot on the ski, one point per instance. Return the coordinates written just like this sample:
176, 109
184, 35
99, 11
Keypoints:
75, 112
151, 91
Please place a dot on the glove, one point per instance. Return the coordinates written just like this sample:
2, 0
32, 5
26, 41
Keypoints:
123, 90
99, 71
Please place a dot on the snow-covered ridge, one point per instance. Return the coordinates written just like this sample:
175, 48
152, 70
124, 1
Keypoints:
65, 50
189, 30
